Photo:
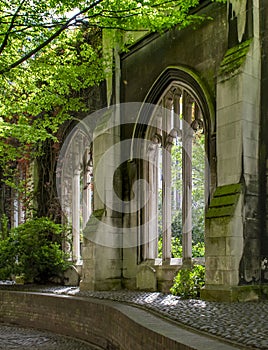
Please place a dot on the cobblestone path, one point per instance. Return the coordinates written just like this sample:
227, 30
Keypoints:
14, 338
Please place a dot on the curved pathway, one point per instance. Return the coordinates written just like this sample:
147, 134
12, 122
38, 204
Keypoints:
14, 338
242, 324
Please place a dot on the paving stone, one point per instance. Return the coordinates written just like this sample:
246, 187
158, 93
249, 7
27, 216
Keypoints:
14, 338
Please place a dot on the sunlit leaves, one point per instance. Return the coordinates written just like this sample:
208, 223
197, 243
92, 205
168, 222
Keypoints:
26, 26
51, 53
38, 96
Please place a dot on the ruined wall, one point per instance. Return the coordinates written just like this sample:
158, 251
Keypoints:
141, 67
232, 238
202, 49
226, 54
263, 169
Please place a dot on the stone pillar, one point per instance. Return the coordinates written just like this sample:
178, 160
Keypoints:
166, 187
76, 216
102, 251
152, 226
232, 232
87, 192
187, 138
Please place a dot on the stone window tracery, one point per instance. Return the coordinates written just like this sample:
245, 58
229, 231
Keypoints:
177, 127
76, 189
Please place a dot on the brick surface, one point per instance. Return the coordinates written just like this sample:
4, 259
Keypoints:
104, 323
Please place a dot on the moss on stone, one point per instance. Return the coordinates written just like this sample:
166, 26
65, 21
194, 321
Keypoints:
234, 58
228, 190
224, 201
98, 213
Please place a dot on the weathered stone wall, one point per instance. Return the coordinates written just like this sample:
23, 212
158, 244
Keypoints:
201, 49
226, 54
141, 68
232, 240
263, 168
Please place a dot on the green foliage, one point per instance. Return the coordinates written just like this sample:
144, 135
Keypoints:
4, 227
39, 96
8, 265
176, 247
28, 27
33, 250
198, 249
188, 282
51, 53
198, 228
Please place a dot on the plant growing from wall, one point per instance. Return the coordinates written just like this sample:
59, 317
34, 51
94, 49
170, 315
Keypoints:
188, 282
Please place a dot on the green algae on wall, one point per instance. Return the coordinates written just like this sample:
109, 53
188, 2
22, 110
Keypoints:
224, 201
234, 57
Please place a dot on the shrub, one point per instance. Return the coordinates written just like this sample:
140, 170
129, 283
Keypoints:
188, 282
4, 226
8, 265
33, 250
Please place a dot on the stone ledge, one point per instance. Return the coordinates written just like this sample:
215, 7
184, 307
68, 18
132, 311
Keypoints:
107, 324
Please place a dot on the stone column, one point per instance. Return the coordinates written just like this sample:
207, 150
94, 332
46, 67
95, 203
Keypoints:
166, 185
75, 215
87, 191
152, 226
232, 230
187, 137
103, 235
178, 132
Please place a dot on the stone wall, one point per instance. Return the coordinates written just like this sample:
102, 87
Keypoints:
142, 69
232, 239
189, 47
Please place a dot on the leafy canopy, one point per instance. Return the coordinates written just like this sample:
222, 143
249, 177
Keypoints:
51, 53
27, 26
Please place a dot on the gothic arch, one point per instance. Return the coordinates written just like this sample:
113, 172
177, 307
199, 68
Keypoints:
191, 80
74, 179
189, 85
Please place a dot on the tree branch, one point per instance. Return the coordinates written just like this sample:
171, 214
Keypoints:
4, 43
49, 40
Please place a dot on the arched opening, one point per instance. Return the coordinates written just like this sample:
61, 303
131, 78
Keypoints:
75, 187
178, 137
179, 168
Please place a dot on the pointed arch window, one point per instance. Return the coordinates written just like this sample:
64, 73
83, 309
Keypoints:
75, 185
176, 173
